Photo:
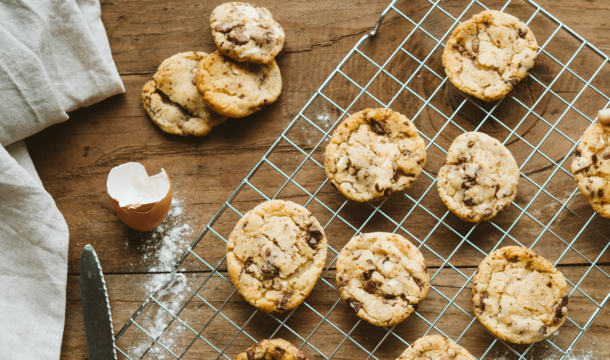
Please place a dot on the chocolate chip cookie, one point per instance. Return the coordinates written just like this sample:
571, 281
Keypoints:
382, 277
237, 89
374, 153
276, 349
591, 167
489, 54
519, 296
479, 177
246, 32
172, 100
276, 254
435, 347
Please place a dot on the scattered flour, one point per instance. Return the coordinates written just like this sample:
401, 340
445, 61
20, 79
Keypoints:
544, 351
162, 248
322, 120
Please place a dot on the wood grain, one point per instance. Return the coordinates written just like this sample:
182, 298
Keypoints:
74, 158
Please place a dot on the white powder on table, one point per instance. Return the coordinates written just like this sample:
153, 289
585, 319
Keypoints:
162, 248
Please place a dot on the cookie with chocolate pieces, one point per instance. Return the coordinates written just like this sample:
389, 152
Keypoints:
489, 54
591, 167
382, 277
373, 154
275, 255
275, 349
479, 177
246, 33
519, 296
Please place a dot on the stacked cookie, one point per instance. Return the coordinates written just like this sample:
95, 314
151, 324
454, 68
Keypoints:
192, 92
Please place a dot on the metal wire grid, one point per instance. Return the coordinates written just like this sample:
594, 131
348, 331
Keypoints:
435, 5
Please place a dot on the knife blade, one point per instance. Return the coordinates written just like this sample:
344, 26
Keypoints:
96, 309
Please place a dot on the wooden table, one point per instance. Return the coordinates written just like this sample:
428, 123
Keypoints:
74, 158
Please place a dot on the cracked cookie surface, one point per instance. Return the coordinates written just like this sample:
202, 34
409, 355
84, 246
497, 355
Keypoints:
435, 347
246, 32
172, 100
591, 167
275, 349
519, 296
479, 177
374, 153
489, 54
382, 277
276, 254
237, 89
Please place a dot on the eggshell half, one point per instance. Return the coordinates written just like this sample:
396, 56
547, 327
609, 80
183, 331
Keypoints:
144, 217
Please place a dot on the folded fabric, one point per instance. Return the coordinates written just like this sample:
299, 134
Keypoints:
54, 58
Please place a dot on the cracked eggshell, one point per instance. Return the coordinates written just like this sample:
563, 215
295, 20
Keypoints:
140, 201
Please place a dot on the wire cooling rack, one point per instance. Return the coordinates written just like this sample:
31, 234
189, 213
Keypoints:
540, 122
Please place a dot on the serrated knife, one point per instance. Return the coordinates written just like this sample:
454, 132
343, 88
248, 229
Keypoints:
96, 309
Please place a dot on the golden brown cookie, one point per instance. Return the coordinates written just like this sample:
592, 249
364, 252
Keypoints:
591, 167
276, 254
275, 349
172, 100
489, 54
435, 347
383, 277
479, 177
374, 153
237, 89
246, 32
519, 296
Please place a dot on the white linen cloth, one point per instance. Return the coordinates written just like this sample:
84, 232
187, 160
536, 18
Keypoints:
54, 58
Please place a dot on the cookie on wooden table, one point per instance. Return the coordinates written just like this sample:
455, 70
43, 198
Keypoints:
374, 153
479, 177
519, 296
246, 32
489, 54
591, 167
276, 254
275, 349
435, 347
237, 89
172, 100
382, 277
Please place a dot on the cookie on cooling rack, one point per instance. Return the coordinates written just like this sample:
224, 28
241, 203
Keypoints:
246, 32
382, 277
276, 349
276, 254
591, 167
489, 54
479, 177
237, 89
519, 296
435, 347
172, 100
374, 153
